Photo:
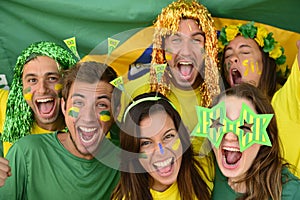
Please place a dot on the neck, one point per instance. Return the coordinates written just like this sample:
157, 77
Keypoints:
58, 124
237, 186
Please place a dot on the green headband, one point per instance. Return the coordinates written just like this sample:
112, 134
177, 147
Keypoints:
143, 100
249, 127
19, 116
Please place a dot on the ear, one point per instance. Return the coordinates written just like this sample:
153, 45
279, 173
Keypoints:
63, 105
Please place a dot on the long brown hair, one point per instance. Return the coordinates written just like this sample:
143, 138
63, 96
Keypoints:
263, 179
135, 182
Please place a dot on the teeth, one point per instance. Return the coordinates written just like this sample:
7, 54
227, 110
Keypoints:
185, 63
231, 149
87, 129
163, 163
44, 100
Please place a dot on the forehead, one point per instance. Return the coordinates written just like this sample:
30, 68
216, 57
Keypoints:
90, 90
41, 64
233, 106
156, 123
240, 41
188, 27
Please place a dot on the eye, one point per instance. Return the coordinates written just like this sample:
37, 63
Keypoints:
78, 103
102, 105
31, 80
246, 128
145, 143
53, 78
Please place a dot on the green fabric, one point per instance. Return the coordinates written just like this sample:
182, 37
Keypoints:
43, 169
24, 22
222, 191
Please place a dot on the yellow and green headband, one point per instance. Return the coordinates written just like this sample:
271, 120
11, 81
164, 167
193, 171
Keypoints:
249, 127
263, 38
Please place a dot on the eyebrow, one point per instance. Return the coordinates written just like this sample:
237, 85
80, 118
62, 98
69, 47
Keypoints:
194, 34
99, 97
46, 74
171, 129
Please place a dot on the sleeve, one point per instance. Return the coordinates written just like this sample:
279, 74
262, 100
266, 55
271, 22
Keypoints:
287, 99
15, 185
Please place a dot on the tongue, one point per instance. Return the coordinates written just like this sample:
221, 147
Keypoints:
232, 156
185, 70
165, 169
237, 78
46, 108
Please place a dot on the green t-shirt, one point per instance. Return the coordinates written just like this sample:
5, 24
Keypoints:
43, 169
222, 191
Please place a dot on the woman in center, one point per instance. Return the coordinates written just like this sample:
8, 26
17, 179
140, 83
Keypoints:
157, 159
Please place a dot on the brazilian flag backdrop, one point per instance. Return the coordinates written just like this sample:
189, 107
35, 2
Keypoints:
91, 22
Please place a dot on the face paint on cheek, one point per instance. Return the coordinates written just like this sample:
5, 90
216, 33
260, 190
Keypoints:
58, 87
27, 94
73, 112
176, 144
104, 116
228, 65
258, 70
143, 155
168, 55
245, 64
202, 50
161, 149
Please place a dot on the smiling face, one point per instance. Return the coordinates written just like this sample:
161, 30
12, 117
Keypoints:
160, 149
233, 163
185, 53
88, 116
41, 89
243, 61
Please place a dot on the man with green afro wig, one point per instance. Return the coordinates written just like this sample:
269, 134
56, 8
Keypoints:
33, 102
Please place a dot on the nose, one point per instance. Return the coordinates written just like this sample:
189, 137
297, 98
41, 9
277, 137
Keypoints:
88, 114
159, 148
230, 137
234, 59
185, 48
42, 87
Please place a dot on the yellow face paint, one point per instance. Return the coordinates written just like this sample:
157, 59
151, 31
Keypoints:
245, 63
58, 86
176, 144
73, 112
104, 116
168, 56
27, 94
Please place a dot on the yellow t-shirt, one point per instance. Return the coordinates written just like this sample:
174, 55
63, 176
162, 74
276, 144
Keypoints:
172, 193
286, 103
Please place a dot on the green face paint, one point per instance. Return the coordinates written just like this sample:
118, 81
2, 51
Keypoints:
213, 124
143, 155
27, 94
105, 116
73, 112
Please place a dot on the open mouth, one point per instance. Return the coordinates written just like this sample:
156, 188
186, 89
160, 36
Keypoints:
185, 69
87, 135
236, 77
164, 168
46, 107
231, 156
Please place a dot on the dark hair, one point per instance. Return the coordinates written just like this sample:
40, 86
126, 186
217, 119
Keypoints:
90, 72
268, 79
136, 185
263, 179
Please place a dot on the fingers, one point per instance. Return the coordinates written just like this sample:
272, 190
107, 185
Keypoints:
5, 170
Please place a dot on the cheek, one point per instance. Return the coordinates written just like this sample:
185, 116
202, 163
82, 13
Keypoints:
105, 116
27, 93
73, 112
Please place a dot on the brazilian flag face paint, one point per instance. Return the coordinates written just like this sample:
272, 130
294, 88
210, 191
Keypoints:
73, 112
105, 116
58, 87
27, 94
249, 127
